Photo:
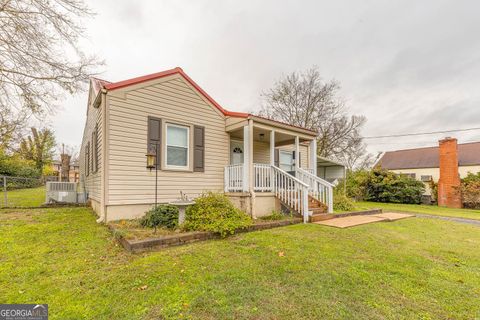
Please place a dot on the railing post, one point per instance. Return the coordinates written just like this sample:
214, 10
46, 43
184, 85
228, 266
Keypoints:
226, 179
305, 204
5, 190
330, 200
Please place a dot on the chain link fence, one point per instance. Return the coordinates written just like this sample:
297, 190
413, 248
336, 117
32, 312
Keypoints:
22, 192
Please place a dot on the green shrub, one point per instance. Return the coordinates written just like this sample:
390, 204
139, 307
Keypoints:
342, 203
275, 215
384, 186
470, 190
214, 212
161, 216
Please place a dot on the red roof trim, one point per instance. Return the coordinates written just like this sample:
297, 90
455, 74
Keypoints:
129, 82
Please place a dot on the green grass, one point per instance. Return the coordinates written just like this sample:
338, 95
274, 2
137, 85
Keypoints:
410, 269
426, 209
31, 197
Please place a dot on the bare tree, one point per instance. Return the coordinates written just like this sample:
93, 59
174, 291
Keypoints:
11, 128
303, 99
357, 157
40, 55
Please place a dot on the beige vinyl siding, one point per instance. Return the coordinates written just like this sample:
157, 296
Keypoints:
174, 101
261, 152
435, 173
92, 182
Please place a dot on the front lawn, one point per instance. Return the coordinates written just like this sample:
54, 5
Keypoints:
416, 208
29, 197
413, 269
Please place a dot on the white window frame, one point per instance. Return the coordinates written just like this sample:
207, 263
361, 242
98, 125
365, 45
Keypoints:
187, 167
290, 153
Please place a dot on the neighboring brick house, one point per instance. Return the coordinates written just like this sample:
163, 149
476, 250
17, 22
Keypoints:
435, 163
73, 174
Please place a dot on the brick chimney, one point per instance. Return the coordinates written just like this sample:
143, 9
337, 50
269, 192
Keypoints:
449, 182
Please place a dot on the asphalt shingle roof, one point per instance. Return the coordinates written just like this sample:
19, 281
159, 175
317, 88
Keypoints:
468, 155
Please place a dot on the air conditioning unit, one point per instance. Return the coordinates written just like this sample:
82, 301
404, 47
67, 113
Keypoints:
65, 192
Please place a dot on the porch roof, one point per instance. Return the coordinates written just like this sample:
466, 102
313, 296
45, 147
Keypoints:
236, 123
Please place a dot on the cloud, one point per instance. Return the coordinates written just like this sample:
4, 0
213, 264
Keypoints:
408, 66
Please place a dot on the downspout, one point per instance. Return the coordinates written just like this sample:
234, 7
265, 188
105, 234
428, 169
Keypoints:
103, 179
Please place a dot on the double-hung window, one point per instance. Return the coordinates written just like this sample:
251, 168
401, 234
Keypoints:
286, 160
177, 148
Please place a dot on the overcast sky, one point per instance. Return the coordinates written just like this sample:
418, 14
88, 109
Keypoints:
408, 66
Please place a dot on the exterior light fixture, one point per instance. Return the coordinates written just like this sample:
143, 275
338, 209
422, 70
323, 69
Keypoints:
152, 164
151, 159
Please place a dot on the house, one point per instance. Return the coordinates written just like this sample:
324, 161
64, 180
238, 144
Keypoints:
73, 173
425, 164
199, 146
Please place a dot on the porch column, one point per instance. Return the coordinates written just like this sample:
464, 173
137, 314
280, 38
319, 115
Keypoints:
251, 173
251, 180
313, 156
272, 147
246, 158
297, 152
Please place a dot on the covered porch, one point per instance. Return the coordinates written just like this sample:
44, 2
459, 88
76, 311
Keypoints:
271, 158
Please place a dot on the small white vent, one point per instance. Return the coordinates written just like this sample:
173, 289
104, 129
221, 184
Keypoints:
61, 186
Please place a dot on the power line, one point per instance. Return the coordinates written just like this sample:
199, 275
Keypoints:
420, 133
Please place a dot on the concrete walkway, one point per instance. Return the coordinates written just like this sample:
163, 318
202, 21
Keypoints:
352, 221
461, 220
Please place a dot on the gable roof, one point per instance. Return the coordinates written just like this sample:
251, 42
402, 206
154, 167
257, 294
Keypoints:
468, 155
125, 83
177, 70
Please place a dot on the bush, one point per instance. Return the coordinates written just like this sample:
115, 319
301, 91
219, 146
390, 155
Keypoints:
14, 165
161, 216
214, 212
381, 185
470, 189
342, 203
275, 215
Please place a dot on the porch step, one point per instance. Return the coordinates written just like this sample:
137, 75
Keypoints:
316, 206
320, 217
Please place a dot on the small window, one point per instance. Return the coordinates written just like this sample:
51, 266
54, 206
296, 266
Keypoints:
426, 178
286, 160
177, 149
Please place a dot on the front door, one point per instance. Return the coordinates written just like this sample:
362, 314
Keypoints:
236, 152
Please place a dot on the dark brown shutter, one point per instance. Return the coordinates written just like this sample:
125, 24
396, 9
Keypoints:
96, 148
87, 159
154, 138
276, 159
299, 159
198, 149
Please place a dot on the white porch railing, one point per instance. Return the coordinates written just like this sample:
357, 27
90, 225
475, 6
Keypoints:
291, 191
318, 188
309, 170
234, 178
263, 175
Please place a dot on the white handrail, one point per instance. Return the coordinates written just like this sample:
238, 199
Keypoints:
263, 177
291, 191
318, 188
234, 178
